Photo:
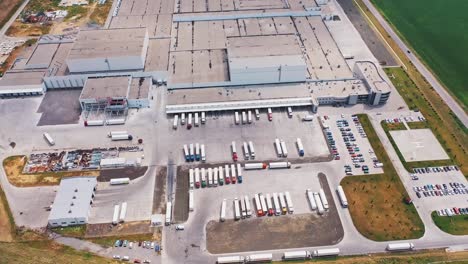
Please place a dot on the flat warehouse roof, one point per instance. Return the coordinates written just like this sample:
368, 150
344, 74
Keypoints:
139, 88
42, 56
18, 78
258, 46
113, 87
108, 43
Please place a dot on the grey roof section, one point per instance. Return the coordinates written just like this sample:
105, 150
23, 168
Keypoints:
42, 56
108, 43
73, 198
18, 79
108, 87
139, 88
260, 46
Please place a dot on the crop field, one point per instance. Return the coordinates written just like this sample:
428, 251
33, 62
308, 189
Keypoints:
437, 31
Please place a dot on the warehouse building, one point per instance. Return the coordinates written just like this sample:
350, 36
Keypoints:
73, 201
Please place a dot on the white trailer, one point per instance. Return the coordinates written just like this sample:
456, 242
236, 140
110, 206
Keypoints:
249, 117
191, 179
197, 178
123, 212
230, 259
289, 202
266, 257
258, 205
246, 151
121, 137
236, 118
192, 152
251, 150
115, 217
237, 212
310, 196
244, 117
49, 139
280, 165
203, 118
277, 204
279, 152
203, 154
189, 121
320, 209
221, 175
233, 173
94, 122
227, 178
326, 252
197, 151
210, 177
300, 147
119, 181
203, 177
186, 153
239, 171
400, 246
255, 166
263, 203
168, 213
283, 148
196, 120
257, 114
291, 255
182, 119
342, 195
176, 122
269, 203
222, 217
110, 134
242, 208
324, 199
248, 208
215, 177
284, 208
119, 121
191, 201
290, 113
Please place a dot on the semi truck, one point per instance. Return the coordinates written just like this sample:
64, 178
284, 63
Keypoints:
244, 117
191, 179
255, 166
246, 151
123, 212
263, 204
284, 208
197, 152
121, 137
230, 259
270, 114
280, 165
249, 117
115, 216
202, 152
251, 150
94, 122
119, 121
222, 217
289, 202
271, 211
176, 122
324, 199
215, 177
284, 150
119, 181
233, 174
239, 173
320, 209
110, 134
221, 175
186, 153
203, 177
234, 151
326, 252
237, 212
277, 204
266, 257
248, 208
242, 208
182, 119
191, 201
203, 118
342, 196
197, 178
310, 197
227, 178
168, 213
400, 246
196, 120
296, 255
258, 205
236, 118
192, 152
210, 177
189, 121
279, 152
300, 147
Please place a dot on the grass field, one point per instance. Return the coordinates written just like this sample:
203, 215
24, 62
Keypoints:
438, 32
455, 225
376, 201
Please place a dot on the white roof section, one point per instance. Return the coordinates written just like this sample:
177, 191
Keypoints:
371, 75
73, 198
113, 162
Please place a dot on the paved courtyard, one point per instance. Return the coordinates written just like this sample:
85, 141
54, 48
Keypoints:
418, 145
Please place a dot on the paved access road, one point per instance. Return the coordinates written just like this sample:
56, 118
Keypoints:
454, 106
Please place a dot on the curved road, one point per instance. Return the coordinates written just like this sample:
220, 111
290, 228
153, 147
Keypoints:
454, 106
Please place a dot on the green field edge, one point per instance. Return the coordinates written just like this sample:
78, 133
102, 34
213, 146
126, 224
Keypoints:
455, 225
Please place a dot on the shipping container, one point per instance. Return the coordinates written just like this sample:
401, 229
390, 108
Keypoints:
234, 150
300, 147
310, 197
265, 257
239, 173
242, 208
197, 152
191, 179
94, 123
280, 165
119, 121
258, 205
284, 208
168, 213
176, 122
215, 177
289, 202
255, 166
400, 246
197, 178
270, 114
249, 117
292, 255
233, 174
246, 151
203, 177
284, 150
196, 120
49, 139
276, 204
186, 153
279, 152
203, 118
324, 200
342, 196
118, 181
248, 208
326, 252
236, 118
231, 259
251, 150
210, 177
191, 201
237, 212
227, 178
271, 211
320, 209
110, 134
189, 121
182, 119
121, 137
115, 216
123, 212
222, 217
244, 117
192, 152
221, 175
202, 152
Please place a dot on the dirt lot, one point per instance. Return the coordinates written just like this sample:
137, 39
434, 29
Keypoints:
60, 107
13, 167
7, 8
181, 209
130, 172
159, 197
267, 233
